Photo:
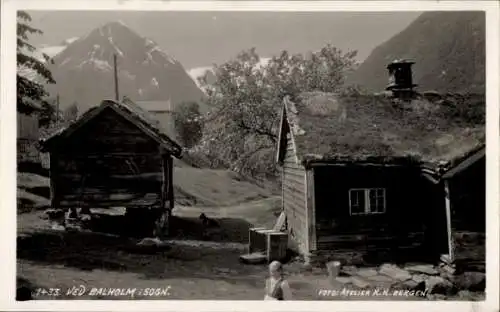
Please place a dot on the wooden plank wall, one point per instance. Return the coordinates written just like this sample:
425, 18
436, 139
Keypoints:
401, 225
108, 181
108, 162
109, 133
294, 196
467, 192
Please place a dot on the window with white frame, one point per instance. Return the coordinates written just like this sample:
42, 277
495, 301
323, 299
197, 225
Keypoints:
367, 201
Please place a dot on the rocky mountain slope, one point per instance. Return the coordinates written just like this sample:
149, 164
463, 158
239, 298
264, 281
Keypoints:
448, 48
83, 70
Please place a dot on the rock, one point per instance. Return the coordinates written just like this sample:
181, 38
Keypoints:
473, 281
464, 294
448, 269
428, 269
412, 285
409, 284
85, 217
419, 278
349, 270
57, 227
380, 279
439, 285
359, 282
394, 272
343, 280
149, 242
367, 272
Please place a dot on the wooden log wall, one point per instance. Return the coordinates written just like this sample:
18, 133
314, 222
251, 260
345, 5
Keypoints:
467, 200
109, 162
294, 196
109, 181
402, 225
109, 133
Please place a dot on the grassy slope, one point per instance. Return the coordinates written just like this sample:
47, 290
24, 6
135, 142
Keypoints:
206, 187
448, 47
201, 187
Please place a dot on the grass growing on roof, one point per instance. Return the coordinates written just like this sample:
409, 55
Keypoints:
358, 127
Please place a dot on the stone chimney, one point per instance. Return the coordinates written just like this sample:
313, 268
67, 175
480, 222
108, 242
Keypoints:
401, 79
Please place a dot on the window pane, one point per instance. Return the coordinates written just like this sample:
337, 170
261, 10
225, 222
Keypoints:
377, 200
381, 204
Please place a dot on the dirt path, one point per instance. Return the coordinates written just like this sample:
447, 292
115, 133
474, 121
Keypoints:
189, 269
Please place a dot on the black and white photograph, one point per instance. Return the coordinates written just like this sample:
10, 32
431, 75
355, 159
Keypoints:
265, 155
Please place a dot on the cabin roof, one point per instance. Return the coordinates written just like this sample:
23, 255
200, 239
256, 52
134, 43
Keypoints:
435, 132
143, 119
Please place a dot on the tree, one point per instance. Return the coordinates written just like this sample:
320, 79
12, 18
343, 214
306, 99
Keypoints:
187, 121
246, 97
47, 114
32, 73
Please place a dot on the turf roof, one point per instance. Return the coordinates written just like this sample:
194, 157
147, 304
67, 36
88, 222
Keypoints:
435, 131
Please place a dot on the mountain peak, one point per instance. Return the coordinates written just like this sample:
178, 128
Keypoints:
145, 71
115, 25
114, 29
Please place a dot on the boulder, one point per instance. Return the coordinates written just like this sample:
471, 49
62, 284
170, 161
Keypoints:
428, 269
413, 285
439, 285
380, 279
349, 270
419, 278
343, 280
394, 272
409, 284
473, 281
367, 272
148, 241
340, 281
360, 282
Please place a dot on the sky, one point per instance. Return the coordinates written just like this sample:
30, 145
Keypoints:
199, 39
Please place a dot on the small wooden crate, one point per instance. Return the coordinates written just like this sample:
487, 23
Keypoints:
257, 241
277, 243
273, 244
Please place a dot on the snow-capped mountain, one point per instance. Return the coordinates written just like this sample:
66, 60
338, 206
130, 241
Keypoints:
83, 69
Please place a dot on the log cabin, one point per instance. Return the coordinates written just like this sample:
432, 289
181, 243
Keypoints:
115, 155
384, 173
